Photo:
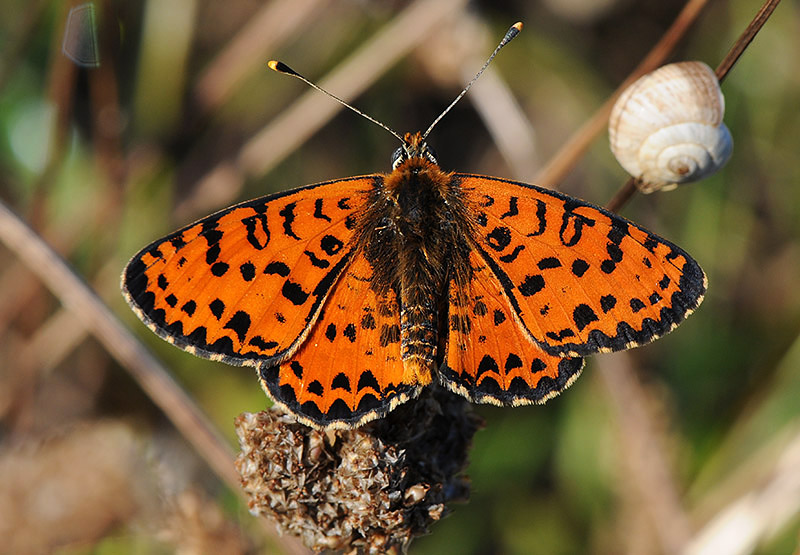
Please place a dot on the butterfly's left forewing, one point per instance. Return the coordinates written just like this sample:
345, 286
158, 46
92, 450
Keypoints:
580, 279
245, 285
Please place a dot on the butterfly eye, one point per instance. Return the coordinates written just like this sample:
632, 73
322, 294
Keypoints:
398, 157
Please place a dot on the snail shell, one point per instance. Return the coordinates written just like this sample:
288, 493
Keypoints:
666, 128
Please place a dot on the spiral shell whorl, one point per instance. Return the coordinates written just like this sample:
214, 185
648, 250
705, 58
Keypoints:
667, 127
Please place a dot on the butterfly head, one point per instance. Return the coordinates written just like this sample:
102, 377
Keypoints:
414, 146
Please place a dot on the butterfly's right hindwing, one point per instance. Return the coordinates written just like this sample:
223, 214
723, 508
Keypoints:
246, 284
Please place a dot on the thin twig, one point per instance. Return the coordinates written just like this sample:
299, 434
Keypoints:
153, 378
746, 38
622, 196
84, 304
76, 296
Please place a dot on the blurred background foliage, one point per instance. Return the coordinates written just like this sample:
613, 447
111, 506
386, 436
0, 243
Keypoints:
181, 118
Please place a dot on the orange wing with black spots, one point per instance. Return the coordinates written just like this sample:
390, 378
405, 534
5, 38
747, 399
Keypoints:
246, 284
349, 369
580, 279
490, 358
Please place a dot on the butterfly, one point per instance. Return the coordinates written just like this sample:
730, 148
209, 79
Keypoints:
351, 296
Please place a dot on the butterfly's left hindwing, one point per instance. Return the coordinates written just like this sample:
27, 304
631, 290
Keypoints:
245, 285
349, 370
580, 279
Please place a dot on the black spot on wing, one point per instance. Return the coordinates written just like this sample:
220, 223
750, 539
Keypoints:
331, 245
330, 332
614, 252
316, 262
261, 343
572, 224
560, 336
619, 230
248, 271
607, 302
579, 267
212, 254
368, 321
487, 364
239, 323
367, 381
636, 305
608, 266
512, 208
350, 332
211, 234
217, 308
340, 381
294, 293
277, 269
287, 212
512, 256
297, 369
583, 315
549, 263
257, 230
512, 362
178, 242
318, 213
499, 317
189, 307
541, 213
531, 285
316, 388
219, 269
499, 238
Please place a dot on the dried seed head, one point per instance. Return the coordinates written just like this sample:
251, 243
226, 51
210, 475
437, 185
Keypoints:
371, 490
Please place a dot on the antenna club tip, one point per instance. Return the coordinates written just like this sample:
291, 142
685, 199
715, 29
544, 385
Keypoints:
512, 32
280, 67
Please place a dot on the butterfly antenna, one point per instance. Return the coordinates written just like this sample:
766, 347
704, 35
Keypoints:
512, 32
280, 67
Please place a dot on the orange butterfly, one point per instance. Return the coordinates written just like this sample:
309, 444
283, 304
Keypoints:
352, 295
